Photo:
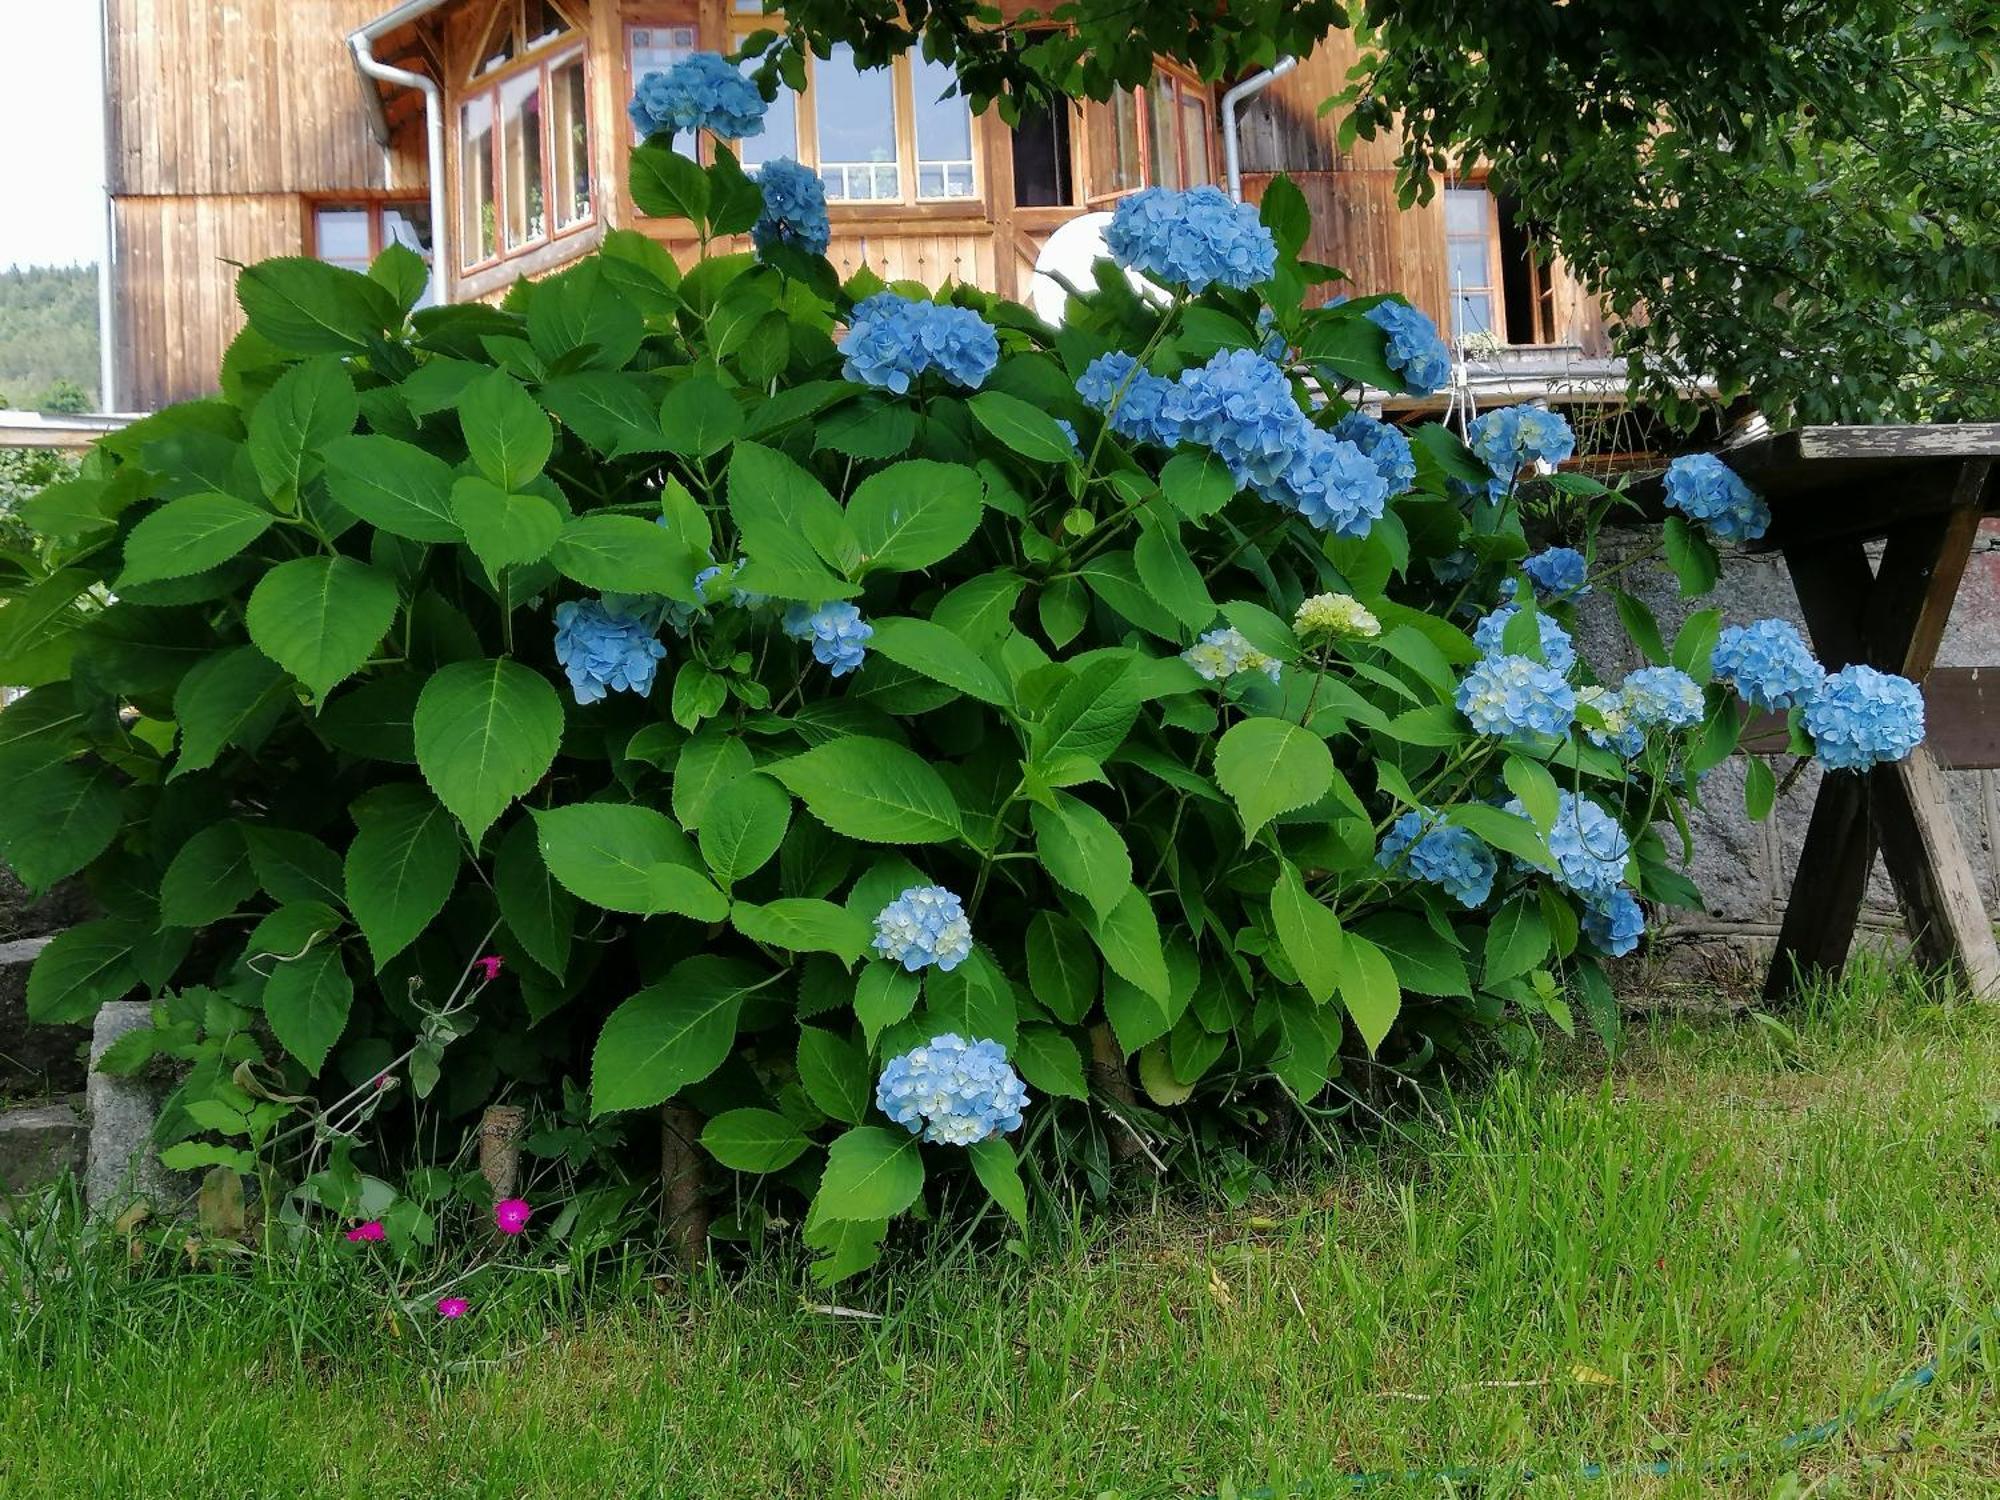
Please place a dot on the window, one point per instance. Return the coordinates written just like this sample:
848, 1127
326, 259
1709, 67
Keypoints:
854, 113
780, 136
1158, 136
1113, 131
1164, 137
524, 137
654, 49
353, 234
1042, 166
1196, 140
1501, 284
944, 131
1470, 255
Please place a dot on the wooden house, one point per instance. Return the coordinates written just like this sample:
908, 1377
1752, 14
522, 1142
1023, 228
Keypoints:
491, 136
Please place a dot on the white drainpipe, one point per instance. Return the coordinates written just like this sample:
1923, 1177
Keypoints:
1232, 147
362, 44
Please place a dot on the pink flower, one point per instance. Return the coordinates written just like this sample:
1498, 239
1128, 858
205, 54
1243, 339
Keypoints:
511, 1215
489, 966
368, 1232
381, 1082
453, 1307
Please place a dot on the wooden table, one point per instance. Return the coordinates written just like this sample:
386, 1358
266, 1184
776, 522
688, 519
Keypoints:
1922, 492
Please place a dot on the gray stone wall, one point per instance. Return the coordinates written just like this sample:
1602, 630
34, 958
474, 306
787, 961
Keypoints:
1746, 870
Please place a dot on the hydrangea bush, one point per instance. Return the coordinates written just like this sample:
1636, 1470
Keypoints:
834, 712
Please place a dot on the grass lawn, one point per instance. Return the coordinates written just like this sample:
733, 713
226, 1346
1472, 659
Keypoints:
1738, 1231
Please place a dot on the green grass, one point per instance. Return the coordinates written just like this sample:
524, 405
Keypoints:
1738, 1231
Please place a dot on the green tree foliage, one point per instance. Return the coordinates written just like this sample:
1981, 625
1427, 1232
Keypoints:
48, 337
1792, 197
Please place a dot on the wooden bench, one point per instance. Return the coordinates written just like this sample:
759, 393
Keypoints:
1922, 492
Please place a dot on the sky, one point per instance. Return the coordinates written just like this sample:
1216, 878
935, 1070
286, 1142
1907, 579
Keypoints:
51, 133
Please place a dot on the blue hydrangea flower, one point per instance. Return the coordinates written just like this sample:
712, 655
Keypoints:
1588, 845
1221, 654
1516, 695
1618, 733
1414, 351
1333, 484
893, 340
838, 634
1509, 438
606, 650
1614, 924
1383, 443
1769, 663
1662, 698
1069, 431
1556, 573
794, 208
1860, 717
1271, 343
701, 92
925, 925
1141, 414
1196, 239
1240, 407
1440, 854
1708, 492
1558, 650
953, 1092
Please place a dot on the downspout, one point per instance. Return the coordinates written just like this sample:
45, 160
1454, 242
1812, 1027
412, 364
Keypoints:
107, 326
1232, 147
362, 44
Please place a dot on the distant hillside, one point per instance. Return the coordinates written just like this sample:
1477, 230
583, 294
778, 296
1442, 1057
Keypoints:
48, 337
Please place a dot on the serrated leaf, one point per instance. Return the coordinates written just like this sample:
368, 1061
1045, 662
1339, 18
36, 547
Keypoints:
883, 995
1517, 939
670, 1034
753, 1140
1129, 938
229, 698
539, 912
742, 827
209, 877
320, 618
394, 486
400, 868
616, 857
81, 969
800, 924
1048, 1060
1022, 426
914, 514
624, 555
873, 790
1531, 782
1369, 990
1270, 766
1309, 933
506, 430
308, 406
835, 1074
486, 732
503, 530
1063, 969
1081, 851
994, 1164
307, 1002
938, 654
871, 1173
190, 535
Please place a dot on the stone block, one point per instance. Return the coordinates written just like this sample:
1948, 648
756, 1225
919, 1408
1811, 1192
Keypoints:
1733, 857
122, 1164
38, 1143
34, 1060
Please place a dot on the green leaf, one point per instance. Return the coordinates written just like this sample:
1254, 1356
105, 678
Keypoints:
1694, 643
753, 1140
1369, 990
1197, 484
873, 790
503, 530
293, 928
793, 531
974, 1000
1600, 1004
1283, 211
665, 184
871, 1173
624, 555
1505, 831
486, 732
1022, 426
1062, 966
309, 406
1136, 1017
1531, 782
294, 866
1692, 557
1092, 713
1309, 1034
305, 306
1309, 934
1129, 938
699, 418
506, 430
210, 877
742, 827
538, 911
82, 968
800, 924
401, 866
1081, 851
229, 698
190, 535
883, 995
938, 654
711, 761
307, 1002
628, 859
1270, 766
1424, 962
835, 1074
320, 618
1063, 606
1048, 1060
55, 821
914, 514
670, 1034
394, 486
993, 1163
613, 412
1516, 940
1171, 577
580, 317
1760, 788
1641, 627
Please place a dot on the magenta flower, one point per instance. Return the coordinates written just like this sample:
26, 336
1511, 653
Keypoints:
368, 1232
489, 966
453, 1307
511, 1215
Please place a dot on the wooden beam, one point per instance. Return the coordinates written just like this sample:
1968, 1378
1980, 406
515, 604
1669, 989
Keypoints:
1928, 865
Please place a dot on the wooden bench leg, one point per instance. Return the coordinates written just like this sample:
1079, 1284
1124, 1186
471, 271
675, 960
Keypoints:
1827, 890
1934, 882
